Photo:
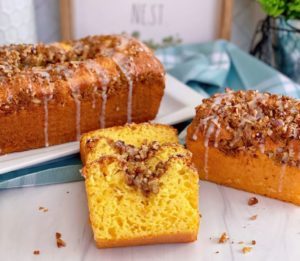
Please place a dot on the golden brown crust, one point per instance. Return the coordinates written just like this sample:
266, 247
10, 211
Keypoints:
250, 141
50, 86
251, 121
34, 74
147, 240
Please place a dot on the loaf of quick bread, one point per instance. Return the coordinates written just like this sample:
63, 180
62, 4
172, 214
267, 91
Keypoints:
51, 93
140, 189
250, 141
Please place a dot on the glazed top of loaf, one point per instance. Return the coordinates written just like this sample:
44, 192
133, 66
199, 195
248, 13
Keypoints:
251, 121
29, 73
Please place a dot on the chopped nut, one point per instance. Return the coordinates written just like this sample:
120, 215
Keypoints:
36, 101
251, 119
253, 242
252, 201
36, 252
254, 217
223, 238
246, 250
136, 172
59, 242
241, 242
43, 209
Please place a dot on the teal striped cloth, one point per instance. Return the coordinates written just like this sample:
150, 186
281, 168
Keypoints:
207, 68
211, 67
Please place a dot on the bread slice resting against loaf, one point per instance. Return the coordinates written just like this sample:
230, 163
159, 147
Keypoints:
141, 186
250, 141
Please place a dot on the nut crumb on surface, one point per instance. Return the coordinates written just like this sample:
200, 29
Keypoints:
36, 252
253, 242
217, 252
254, 217
223, 238
246, 250
59, 242
43, 209
252, 201
241, 242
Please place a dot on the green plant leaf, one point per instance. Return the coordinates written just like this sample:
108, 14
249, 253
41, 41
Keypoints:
273, 8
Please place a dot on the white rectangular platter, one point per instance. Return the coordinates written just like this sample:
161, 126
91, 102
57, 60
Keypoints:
177, 106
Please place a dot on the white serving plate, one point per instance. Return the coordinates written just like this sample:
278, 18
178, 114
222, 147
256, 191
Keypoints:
177, 105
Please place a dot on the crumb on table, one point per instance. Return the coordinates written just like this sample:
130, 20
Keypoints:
36, 252
254, 217
59, 242
43, 209
246, 250
252, 201
223, 238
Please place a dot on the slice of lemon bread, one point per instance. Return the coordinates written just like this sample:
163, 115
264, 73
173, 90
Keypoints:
142, 195
92, 143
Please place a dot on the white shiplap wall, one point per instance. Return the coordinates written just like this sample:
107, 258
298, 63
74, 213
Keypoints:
246, 14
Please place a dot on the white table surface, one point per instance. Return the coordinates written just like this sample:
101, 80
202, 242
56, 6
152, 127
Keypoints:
23, 228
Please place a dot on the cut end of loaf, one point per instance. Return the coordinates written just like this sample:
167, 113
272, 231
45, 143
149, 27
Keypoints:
141, 186
122, 215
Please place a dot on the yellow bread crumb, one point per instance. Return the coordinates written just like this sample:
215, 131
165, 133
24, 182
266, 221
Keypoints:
122, 215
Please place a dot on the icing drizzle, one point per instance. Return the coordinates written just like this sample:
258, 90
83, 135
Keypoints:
94, 66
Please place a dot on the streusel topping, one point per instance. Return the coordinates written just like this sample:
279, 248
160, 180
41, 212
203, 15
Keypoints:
251, 121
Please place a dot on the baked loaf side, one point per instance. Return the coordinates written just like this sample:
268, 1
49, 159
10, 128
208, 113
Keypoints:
50, 94
146, 197
93, 144
250, 141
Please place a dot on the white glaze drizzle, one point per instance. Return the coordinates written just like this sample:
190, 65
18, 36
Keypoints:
94, 97
216, 143
281, 176
46, 121
78, 114
216, 102
118, 59
283, 168
75, 91
262, 148
209, 132
9, 95
45, 75
298, 155
125, 64
92, 65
